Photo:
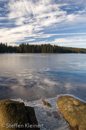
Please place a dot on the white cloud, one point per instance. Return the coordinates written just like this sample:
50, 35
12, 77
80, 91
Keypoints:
70, 39
31, 18
2, 18
12, 44
73, 41
71, 17
77, 41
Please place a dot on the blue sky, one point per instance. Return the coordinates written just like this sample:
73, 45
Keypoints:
56, 22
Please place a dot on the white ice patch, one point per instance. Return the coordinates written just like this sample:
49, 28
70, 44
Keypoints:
48, 118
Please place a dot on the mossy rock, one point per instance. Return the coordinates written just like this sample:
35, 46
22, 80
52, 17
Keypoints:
74, 111
13, 115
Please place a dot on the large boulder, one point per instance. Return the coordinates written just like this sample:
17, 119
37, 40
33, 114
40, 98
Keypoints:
14, 116
74, 111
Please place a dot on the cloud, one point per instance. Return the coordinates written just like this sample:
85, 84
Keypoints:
29, 20
69, 40
74, 41
30, 17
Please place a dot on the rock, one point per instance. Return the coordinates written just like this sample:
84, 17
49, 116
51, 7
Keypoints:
45, 103
31, 116
14, 116
74, 111
56, 115
49, 113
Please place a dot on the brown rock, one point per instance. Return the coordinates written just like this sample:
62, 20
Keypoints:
45, 103
14, 116
74, 111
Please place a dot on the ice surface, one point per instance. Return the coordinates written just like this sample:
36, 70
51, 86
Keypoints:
48, 118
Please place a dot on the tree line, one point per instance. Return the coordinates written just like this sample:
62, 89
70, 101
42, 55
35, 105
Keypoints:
44, 48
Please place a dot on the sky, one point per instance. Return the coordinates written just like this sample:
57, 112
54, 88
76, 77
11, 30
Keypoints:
55, 22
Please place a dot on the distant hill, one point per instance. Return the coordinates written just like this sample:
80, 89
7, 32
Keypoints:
44, 48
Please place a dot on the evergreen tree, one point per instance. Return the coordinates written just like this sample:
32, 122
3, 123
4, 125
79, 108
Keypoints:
44, 48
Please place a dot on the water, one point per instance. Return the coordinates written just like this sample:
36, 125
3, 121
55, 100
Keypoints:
32, 76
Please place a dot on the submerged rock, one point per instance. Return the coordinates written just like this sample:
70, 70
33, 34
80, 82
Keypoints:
14, 115
74, 111
45, 103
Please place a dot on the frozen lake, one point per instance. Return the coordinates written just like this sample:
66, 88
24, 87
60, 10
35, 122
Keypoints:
32, 76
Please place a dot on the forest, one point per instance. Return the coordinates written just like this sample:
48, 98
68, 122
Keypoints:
44, 48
